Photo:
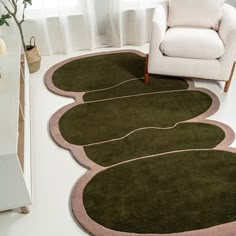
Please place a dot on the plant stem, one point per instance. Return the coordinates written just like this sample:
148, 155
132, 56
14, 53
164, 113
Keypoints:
21, 34
18, 23
7, 9
11, 4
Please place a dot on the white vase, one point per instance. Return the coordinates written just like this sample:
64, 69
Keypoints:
2, 47
2, 52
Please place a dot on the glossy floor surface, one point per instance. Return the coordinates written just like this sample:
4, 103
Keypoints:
54, 171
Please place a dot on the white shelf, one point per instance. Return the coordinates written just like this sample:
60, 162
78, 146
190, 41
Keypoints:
15, 183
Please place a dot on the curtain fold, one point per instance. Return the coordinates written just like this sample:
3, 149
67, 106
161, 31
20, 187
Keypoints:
65, 26
114, 32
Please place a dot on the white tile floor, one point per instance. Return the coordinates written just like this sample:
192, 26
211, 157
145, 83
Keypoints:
55, 171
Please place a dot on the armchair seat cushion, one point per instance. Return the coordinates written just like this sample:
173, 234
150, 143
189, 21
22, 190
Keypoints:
192, 42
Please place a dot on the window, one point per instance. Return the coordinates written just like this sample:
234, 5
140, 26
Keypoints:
38, 4
135, 4
40, 8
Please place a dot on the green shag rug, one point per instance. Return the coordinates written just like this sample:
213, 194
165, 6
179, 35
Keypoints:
154, 166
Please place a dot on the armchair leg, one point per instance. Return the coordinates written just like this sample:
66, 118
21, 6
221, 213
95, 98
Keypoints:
227, 84
146, 75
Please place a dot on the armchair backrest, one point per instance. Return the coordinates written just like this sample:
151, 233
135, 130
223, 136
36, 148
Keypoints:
199, 13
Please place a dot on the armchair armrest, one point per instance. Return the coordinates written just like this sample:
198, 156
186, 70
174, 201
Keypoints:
227, 32
159, 21
228, 23
159, 27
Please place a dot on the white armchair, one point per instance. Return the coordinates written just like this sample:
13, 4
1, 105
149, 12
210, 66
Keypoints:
191, 50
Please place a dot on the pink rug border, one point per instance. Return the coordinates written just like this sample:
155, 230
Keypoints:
78, 153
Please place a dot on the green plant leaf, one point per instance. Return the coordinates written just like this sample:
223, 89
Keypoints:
27, 2
4, 19
7, 16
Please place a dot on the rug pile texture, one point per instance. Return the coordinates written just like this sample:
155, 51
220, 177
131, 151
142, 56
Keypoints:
156, 164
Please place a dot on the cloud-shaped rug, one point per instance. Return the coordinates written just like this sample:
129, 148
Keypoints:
156, 164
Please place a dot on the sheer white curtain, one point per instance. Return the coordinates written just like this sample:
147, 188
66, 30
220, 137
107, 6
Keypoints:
130, 21
63, 26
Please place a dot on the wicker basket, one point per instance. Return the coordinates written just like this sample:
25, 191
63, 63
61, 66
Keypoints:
32, 56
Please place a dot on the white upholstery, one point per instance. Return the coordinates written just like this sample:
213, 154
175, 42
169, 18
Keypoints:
200, 13
215, 69
192, 42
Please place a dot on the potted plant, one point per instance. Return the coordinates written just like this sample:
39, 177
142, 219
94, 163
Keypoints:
13, 10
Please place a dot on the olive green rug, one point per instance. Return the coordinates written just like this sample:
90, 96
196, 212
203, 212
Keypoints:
156, 164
